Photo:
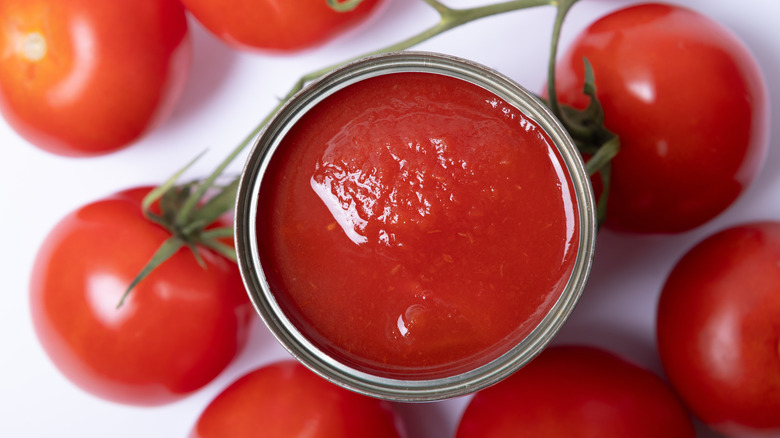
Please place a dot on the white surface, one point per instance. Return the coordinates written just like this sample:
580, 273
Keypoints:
227, 94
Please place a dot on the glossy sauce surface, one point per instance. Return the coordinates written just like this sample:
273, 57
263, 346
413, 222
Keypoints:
414, 225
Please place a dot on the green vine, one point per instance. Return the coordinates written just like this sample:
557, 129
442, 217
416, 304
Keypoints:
186, 215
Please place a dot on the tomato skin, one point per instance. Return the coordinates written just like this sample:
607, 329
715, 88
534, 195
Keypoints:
176, 331
687, 100
577, 391
100, 82
285, 399
719, 329
278, 26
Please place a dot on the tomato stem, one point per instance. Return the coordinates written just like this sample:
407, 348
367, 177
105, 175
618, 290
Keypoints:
563, 9
344, 5
189, 220
449, 18
585, 126
185, 214
156, 193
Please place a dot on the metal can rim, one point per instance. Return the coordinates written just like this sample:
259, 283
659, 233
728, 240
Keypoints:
408, 390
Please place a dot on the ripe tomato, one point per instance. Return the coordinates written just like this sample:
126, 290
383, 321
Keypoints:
688, 102
88, 77
285, 399
177, 329
283, 26
577, 391
719, 329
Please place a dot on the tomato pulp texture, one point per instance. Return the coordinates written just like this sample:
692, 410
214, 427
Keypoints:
688, 102
285, 399
273, 25
719, 329
577, 391
415, 225
176, 331
89, 77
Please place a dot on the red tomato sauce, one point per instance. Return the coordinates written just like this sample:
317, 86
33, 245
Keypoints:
415, 226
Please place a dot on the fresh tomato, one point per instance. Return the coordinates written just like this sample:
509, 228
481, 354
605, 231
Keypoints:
577, 391
273, 25
687, 100
178, 328
89, 77
285, 399
719, 329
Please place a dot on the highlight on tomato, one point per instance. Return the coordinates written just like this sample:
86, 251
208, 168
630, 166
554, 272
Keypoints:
285, 399
577, 390
85, 78
718, 329
278, 26
689, 104
171, 334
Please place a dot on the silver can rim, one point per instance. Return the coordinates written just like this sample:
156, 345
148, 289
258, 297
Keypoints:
408, 390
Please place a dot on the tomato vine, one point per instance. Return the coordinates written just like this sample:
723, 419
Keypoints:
187, 220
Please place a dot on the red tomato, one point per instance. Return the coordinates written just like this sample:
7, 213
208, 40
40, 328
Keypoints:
285, 399
88, 77
688, 102
177, 329
275, 25
719, 329
577, 391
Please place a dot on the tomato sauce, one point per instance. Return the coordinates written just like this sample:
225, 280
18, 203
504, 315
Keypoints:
415, 226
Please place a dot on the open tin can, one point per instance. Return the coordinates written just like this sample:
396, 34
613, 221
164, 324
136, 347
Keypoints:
296, 329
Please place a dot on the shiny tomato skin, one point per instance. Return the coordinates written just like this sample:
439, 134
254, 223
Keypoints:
89, 77
687, 100
719, 329
177, 330
285, 399
577, 390
276, 26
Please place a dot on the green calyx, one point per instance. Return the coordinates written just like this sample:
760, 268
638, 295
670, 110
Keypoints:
181, 210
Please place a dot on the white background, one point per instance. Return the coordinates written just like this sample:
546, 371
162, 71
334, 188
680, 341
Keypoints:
228, 93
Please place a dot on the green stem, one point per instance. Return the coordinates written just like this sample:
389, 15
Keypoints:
344, 6
440, 7
180, 204
448, 19
563, 10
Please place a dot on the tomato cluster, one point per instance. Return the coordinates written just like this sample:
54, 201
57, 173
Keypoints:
683, 95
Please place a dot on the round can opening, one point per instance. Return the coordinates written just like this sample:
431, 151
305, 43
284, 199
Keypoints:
414, 226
